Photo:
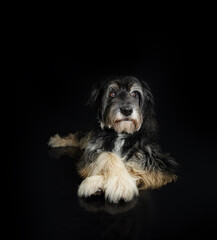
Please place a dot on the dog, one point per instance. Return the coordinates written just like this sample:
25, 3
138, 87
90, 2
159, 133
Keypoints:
120, 154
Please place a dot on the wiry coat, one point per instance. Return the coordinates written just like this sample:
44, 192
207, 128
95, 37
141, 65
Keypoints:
120, 153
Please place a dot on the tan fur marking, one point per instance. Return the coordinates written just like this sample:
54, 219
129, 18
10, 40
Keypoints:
117, 182
57, 141
126, 126
149, 179
84, 141
84, 172
144, 179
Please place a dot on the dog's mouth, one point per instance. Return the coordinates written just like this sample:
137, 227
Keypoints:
124, 120
125, 125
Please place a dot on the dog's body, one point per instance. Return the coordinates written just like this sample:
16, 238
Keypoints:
120, 153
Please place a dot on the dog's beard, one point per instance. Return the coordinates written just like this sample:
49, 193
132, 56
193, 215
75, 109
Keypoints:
123, 124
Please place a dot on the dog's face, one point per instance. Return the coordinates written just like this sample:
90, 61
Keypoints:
121, 103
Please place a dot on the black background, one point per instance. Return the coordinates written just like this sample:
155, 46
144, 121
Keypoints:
51, 93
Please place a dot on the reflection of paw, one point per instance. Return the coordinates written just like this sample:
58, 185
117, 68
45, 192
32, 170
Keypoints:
118, 188
90, 186
56, 141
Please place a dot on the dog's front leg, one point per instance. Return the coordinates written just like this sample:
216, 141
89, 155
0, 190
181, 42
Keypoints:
119, 184
108, 173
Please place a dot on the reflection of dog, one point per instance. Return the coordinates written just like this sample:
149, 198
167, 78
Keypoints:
120, 154
96, 204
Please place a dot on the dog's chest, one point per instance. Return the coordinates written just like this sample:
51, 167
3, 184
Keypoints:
118, 145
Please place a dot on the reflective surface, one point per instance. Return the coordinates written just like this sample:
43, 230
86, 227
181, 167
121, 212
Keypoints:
49, 208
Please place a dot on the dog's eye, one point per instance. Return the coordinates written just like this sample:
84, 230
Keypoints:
133, 94
113, 94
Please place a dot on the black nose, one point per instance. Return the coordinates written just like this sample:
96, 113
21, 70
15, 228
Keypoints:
126, 111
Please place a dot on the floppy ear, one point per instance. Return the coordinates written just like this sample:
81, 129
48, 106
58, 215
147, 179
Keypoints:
95, 99
147, 93
94, 95
149, 120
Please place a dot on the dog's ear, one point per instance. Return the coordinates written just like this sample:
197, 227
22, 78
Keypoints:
95, 99
149, 120
94, 95
147, 93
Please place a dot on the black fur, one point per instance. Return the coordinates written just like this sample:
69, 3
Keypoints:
145, 140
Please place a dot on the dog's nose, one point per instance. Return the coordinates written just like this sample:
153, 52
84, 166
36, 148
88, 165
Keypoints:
126, 111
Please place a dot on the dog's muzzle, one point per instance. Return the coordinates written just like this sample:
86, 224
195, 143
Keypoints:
125, 120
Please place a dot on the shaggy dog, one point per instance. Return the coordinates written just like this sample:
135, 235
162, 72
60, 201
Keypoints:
120, 153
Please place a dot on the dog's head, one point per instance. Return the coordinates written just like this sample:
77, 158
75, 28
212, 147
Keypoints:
122, 103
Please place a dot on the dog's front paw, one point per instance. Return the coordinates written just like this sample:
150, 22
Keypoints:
118, 188
90, 186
